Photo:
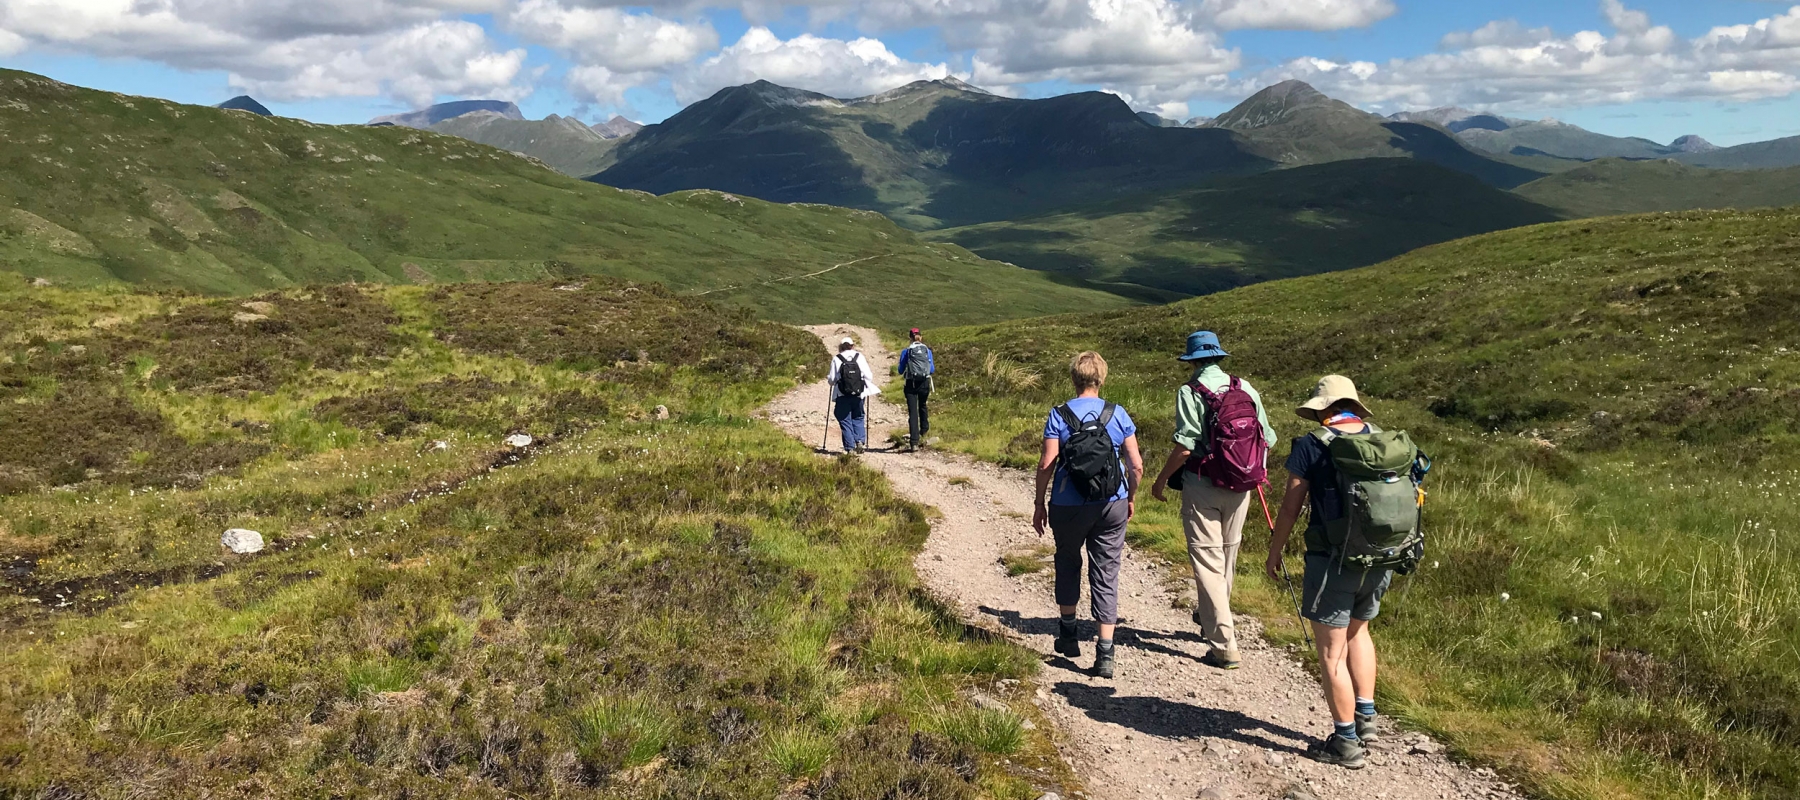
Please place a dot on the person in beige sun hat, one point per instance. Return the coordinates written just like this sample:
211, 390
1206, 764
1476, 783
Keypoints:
1332, 389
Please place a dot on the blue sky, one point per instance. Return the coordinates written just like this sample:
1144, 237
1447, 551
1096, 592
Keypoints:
1728, 70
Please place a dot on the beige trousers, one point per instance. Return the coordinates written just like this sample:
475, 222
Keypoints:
1214, 521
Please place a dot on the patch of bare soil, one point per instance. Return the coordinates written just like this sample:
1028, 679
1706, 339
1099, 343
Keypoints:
1166, 727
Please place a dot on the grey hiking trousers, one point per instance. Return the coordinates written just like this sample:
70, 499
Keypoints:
1100, 529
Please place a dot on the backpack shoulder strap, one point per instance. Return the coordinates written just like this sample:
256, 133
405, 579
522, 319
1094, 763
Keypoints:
1072, 422
1325, 435
1204, 393
1236, 383
1106, 414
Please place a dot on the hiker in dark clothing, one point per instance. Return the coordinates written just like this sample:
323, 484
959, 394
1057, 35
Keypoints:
1342, 590
1087, 483
917, 368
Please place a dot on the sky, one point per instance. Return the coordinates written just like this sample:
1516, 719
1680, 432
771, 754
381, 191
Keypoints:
1728, 70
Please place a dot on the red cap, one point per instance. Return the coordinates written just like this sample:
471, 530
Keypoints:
914, 330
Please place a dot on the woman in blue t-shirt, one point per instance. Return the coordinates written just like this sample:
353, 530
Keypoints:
1079, 521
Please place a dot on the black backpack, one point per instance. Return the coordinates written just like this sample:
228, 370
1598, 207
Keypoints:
850, 377
1088, 457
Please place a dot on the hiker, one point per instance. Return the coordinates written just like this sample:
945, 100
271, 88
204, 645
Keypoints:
1222, 441
917, 366
1085, 494
851, 388
1363, 485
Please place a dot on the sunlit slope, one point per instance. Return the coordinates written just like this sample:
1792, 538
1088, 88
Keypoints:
97, 187
1610, 606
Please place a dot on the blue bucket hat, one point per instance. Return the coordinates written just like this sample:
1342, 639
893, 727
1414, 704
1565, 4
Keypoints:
1203, 344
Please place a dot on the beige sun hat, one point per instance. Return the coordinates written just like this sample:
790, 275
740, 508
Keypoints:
1331, 389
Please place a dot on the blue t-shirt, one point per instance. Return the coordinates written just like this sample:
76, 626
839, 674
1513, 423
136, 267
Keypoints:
1062, 491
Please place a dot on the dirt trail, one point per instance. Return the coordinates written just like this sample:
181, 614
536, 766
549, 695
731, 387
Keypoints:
1166, 727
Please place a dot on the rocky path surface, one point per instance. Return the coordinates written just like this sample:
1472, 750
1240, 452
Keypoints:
1166, 727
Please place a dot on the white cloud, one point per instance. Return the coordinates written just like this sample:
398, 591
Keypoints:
1505, 65
1502, 33
286, 49
610, 37
11, 44
1302, 15
1151, 49
832, 67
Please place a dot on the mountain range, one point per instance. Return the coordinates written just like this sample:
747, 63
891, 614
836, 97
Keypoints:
942, 153
100, 188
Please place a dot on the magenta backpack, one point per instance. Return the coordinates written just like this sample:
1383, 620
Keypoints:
1236, 461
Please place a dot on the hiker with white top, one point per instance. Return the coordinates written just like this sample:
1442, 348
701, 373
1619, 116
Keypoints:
1222, 441
1364, 487
852, 384
917, 367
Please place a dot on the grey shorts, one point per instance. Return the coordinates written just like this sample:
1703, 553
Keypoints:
1334, 595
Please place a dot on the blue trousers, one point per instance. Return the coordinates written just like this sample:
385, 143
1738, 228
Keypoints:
853, 423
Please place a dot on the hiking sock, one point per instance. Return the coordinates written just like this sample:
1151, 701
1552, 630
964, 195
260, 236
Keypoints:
1346, 730
1365, 707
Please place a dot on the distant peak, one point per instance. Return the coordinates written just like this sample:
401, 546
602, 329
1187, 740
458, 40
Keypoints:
1292, 91
1692, 144
961, 85
432, 115
1276, 104
617, 126
244, 102
777, 95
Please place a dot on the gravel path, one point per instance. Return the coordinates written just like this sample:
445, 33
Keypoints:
1166, 727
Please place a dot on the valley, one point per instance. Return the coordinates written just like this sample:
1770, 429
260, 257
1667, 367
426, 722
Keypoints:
520, 447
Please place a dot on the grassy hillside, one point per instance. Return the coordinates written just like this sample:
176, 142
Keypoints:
1626, 187
1610, 605
633, 604
1772, 154
98, 188
928, 154
1562, 140
1295, 124
1238, 231
564, 143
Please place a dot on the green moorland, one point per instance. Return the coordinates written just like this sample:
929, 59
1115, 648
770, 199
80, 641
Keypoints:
634, 604
1238, 231
1611, 604
1611, 187
100, 188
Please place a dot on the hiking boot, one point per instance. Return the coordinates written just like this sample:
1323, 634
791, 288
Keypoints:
1221, 659
1365, 729
1103, 662
1346, 753
1066, 643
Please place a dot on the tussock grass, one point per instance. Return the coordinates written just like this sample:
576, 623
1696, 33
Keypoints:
1607, 608
629, 606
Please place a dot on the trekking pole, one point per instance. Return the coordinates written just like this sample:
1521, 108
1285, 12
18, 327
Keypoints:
1286, 579
826, 437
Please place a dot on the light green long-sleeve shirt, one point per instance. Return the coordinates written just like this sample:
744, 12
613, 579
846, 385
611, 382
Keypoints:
1190, 408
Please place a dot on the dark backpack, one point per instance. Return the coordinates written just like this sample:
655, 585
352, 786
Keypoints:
1378, 481
1088, 458
1237, 454
918, 362
850, 377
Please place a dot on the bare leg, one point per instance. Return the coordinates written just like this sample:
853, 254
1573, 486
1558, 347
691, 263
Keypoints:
1334, 651
1361, 658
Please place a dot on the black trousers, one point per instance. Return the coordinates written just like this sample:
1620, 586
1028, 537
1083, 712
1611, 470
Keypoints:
918, 415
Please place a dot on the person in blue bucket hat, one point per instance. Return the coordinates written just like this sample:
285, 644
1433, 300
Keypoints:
1222, 441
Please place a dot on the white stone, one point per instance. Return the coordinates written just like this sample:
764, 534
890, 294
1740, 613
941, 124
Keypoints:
519, 440
661, 412
242, 541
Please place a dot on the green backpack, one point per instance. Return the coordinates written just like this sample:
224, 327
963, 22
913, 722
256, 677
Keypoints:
1382, 500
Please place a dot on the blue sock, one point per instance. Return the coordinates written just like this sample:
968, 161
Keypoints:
1365, 707
1346, 730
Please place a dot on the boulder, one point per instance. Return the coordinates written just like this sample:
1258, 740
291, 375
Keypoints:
519, 440
242, 541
